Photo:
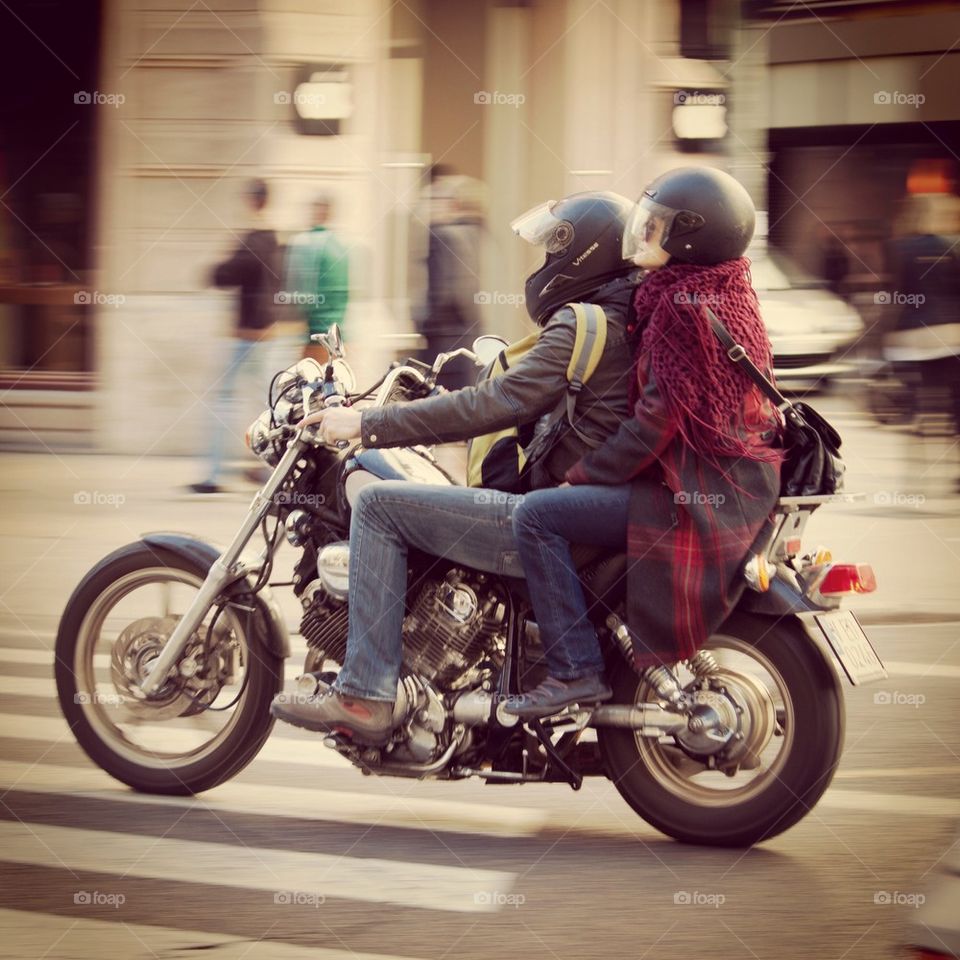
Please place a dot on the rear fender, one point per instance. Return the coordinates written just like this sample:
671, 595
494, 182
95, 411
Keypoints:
275, 634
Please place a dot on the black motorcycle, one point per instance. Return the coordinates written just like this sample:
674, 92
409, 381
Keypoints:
170, 651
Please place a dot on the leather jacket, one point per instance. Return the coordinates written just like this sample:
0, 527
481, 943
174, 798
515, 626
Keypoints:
533, 387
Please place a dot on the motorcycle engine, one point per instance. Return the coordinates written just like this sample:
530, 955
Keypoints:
450, 624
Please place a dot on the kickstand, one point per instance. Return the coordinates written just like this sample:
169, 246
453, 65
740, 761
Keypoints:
573, 778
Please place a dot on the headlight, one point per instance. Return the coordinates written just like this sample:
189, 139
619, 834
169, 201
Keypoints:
257, 440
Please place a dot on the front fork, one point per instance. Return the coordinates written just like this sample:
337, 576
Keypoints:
224, 570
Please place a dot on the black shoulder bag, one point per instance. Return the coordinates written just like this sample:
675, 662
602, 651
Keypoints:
812, 464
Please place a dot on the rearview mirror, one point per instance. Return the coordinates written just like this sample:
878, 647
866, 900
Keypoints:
487, 348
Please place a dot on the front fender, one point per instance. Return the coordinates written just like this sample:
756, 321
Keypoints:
203, 554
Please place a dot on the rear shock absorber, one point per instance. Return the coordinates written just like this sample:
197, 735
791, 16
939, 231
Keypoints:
661, 678
703, 664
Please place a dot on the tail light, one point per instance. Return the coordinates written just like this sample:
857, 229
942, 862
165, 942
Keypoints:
848, 578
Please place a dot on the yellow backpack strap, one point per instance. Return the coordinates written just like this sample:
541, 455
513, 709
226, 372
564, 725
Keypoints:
587, 350
589, 343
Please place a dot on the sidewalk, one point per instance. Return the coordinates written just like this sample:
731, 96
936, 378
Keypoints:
62, 513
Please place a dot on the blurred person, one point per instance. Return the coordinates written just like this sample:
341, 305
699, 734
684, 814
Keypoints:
926, 295
254, 268
317, 276
392, 517
835, 261
449, 315
689, 482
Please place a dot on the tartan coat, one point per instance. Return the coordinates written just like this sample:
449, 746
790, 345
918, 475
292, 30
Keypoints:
692, 523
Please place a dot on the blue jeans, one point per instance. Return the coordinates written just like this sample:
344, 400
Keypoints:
249, 354
473, 527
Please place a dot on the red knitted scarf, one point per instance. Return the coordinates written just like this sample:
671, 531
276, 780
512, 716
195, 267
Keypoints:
703, 390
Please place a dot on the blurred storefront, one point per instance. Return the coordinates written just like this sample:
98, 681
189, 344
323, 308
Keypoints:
180, 103
861, 107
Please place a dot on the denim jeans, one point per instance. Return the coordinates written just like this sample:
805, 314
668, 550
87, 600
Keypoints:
477, 529
247, 356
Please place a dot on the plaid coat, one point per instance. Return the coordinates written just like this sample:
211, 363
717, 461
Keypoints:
691, 523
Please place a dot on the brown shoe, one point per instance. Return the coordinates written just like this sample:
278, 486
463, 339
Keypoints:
365, 721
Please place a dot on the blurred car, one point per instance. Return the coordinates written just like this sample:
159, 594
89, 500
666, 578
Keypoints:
811, 329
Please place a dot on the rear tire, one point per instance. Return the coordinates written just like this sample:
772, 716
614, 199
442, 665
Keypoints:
806, 771
252, 721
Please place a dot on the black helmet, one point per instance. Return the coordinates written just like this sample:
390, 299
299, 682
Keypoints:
693, 214
583, 238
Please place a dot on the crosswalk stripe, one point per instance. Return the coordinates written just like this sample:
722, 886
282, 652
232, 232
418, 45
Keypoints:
902, 803
101, 661
308, 751
341, 806
292, 873
27, 934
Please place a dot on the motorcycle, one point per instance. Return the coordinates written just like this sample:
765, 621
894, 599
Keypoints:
170, 651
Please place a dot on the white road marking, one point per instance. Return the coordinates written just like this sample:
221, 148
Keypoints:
868, 772
407, 810
901, 668
101, 661
461, 889
295, 748
29, 934
908, 804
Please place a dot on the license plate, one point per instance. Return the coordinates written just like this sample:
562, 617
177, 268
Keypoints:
851, 645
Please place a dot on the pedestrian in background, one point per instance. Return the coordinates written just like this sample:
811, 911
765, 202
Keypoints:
926, 270
317, 276
449, 315
254, 269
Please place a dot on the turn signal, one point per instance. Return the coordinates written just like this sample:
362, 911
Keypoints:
848, 578
822, 555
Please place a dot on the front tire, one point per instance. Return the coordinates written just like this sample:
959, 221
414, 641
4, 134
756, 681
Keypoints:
695, 813
98, 729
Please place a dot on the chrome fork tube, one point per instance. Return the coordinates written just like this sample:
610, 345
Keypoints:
223, 570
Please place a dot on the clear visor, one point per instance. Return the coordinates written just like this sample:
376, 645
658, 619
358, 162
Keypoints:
540, 227
647, 231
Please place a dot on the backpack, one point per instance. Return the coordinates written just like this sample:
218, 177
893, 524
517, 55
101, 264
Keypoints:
502, 460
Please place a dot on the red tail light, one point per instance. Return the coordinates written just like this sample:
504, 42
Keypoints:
848, 578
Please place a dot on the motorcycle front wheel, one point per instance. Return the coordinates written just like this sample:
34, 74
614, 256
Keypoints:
796, 705
212, 715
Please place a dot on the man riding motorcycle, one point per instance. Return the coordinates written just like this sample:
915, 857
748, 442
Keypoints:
582, 239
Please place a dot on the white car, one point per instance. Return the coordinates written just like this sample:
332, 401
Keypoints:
811, 329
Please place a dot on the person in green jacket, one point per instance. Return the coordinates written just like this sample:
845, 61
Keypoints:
317, 276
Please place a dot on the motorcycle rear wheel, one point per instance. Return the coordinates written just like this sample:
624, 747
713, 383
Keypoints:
104, 730
812, 718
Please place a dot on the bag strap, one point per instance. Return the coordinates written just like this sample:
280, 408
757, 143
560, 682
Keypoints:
738, 355
588, 348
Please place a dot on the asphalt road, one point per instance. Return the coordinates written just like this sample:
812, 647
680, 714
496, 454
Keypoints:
302, 856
